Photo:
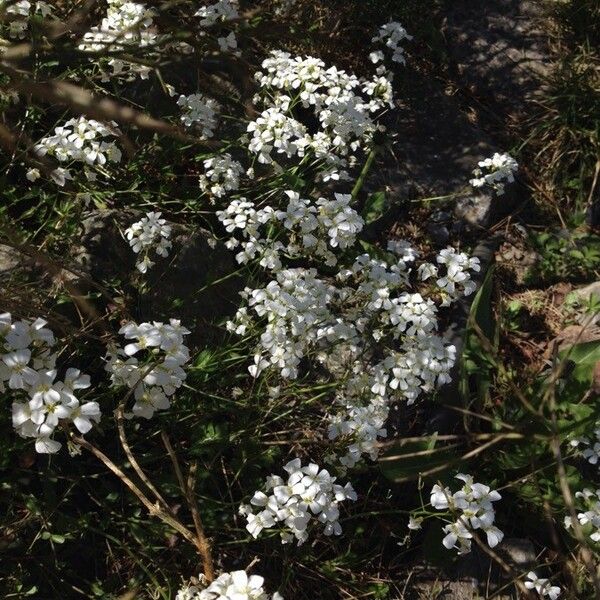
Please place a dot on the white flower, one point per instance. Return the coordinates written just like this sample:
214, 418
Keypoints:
237, 585
591, 452
83, 415
341, 102
227, 43
590, 501
150, 233
440, 497
542, 586
30, 366
33, 174
162, 343
495, 172
60, 176
199, 112
126, 24
391, 34
474, 503
21, 375
457, 280
222, 174
309, 494
78, 140
223, 10
494, 536
45, 445
457, 536
43, 390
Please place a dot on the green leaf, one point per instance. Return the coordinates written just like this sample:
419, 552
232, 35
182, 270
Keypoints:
520, 455
583, 353
374, 251
408, 460
477, 365
293, 181
585, 357
375, 207
481, 309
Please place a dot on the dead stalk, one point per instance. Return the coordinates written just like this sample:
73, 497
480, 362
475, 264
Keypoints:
187, 489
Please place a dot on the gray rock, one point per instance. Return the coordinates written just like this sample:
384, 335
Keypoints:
439, 234
479, 209
589, 292
102, 251
440, 589
440, 586
10, 258
582, 302
439, 146
195, 283
518, 553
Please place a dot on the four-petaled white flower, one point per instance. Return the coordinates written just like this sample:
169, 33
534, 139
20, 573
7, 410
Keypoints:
472, 508
542, 586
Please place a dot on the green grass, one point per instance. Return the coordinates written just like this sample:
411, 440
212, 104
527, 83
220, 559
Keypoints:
565, 137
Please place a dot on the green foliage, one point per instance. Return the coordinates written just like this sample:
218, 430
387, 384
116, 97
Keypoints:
566, 132
477, 361
374, 207
51, 509
565, 256
407, 461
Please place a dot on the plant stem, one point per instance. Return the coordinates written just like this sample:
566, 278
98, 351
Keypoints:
363, 174
187, 489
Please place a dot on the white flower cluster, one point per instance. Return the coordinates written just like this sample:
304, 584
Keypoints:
28, 366
126, 24
363, 425
590, 517
342, 103
220, 12
310, 493
273, 129
243, 215
591, 452
456, 282
296, 306
365, 397
221, 175
422, 364
237, 585
223, 10
315, 226
150, 233
19, 13
378, 340
157, 375
474, 502
199, 112
391, 34
311, 229
542, 586
495, 172
80, 140
283, 7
